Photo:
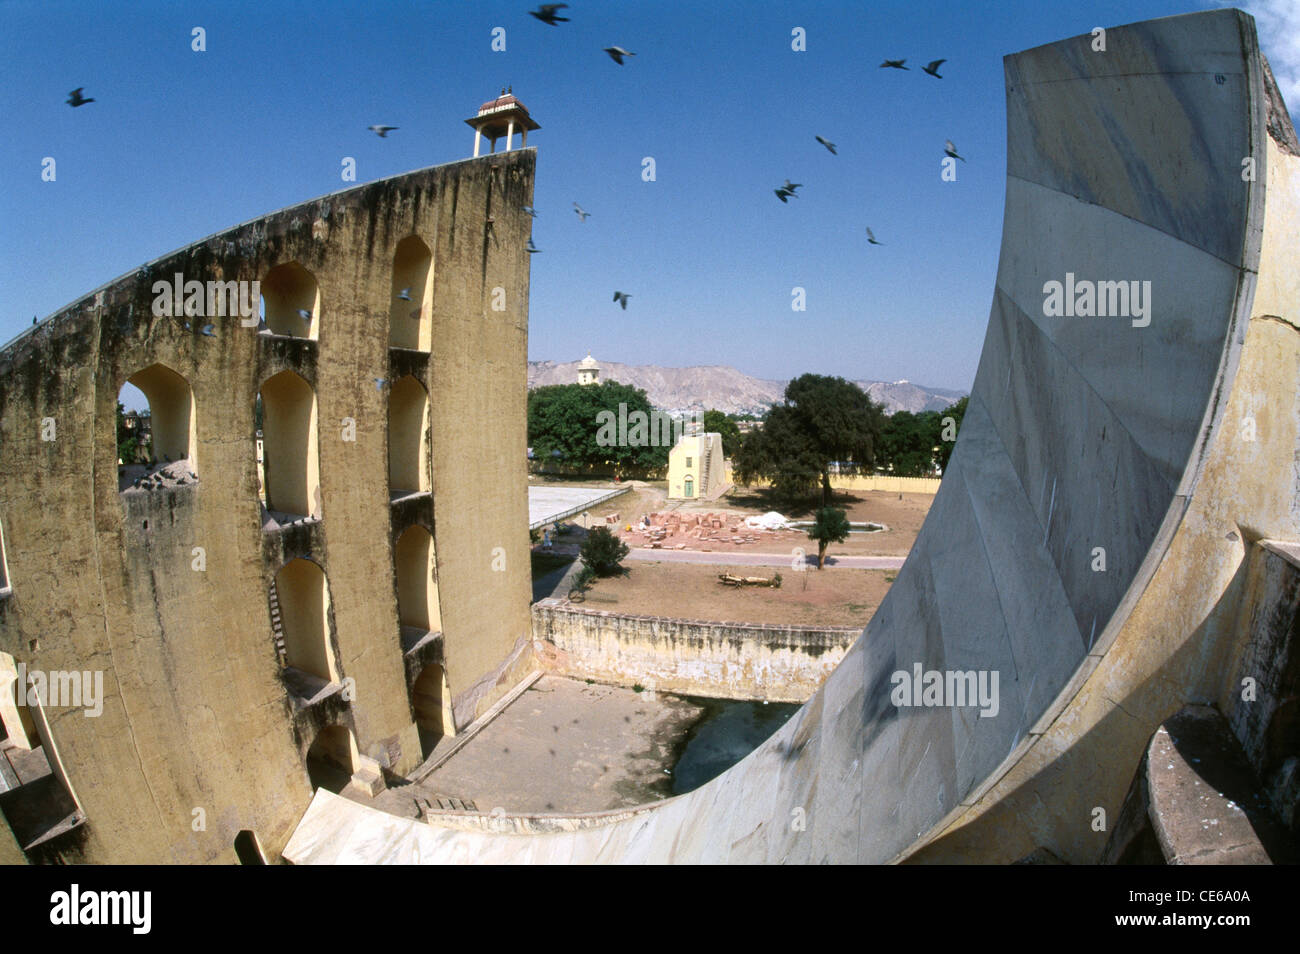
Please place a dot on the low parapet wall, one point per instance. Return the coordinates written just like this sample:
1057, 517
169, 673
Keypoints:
776, 663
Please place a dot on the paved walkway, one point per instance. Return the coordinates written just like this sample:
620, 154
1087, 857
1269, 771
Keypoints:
722, 558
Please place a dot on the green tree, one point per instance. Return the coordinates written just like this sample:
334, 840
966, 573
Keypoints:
831, 525
715, 422
127, 444
602, 552
581, 423
955, 411
822, 420
908, 442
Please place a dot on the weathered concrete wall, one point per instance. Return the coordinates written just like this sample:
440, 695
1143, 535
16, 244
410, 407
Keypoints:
1081, 433
196, 715
696, 657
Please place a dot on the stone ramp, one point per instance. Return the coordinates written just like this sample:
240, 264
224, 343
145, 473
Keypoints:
1086, 544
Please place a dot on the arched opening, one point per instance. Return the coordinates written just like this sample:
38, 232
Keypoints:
291, 302
156, 430
332, 759
36, 795
290, 462
417, 586
248, 849
303, 599
408, 438
431, 700
410, 317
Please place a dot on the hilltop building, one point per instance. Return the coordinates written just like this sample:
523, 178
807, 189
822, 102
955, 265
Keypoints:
589, 370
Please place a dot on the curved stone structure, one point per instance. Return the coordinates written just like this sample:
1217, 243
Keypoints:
248, 654
1088, 542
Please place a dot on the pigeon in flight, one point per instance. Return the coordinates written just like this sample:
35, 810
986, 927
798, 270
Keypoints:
379, 383
616, 53
531, 247
305, 315
546, 13
405, 293
207, 330
933, 68
871, 237
582, 213
621, 298
950, 150
791, 186
530, 210
381, 131
828, 145
75, 98
895, 64
784, 194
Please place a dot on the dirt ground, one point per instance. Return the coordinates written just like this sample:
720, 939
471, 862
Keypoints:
831, 597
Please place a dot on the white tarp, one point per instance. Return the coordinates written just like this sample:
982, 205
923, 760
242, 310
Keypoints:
769, 521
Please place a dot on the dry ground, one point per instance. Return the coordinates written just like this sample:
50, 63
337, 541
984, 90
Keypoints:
831, 597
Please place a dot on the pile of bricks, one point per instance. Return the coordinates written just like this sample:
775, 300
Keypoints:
659, 528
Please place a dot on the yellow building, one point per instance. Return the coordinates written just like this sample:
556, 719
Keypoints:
696, 467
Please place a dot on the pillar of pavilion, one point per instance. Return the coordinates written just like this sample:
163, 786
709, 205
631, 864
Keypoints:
501, 117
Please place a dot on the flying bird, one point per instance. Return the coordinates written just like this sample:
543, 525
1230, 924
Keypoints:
405, 293
933, 68
379, 383
381, 131
530, 210
546, 13
791, 186
207, 330
950, 150
531, 247
895, 64
784, 194
582, 213
616, 53
75, 98
621, 298
305, 315
828, 145
871, 237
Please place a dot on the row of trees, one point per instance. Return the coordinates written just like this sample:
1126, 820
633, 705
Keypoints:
823, 423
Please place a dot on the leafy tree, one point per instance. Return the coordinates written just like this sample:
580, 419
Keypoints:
602, 552
568, 418
831, 525
715, 422
908, 442
822, 420
957, 412
127, 443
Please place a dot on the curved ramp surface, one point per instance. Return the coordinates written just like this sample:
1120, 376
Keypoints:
1063, 576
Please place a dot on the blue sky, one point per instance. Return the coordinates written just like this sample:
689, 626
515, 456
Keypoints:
179, 144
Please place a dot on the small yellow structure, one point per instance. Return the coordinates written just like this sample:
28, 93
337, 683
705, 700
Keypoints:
696, 467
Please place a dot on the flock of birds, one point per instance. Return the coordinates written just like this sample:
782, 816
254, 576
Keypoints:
548, 13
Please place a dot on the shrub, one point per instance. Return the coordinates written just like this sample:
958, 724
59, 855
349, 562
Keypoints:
602, 552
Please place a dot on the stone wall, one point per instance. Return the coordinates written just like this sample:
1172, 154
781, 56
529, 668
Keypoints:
720, 659
196, 713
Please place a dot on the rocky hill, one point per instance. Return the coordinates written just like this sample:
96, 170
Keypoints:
729, 390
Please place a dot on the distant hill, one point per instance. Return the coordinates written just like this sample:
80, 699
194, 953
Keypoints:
729, 390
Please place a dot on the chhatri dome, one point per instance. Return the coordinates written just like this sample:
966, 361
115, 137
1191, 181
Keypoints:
588, 370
